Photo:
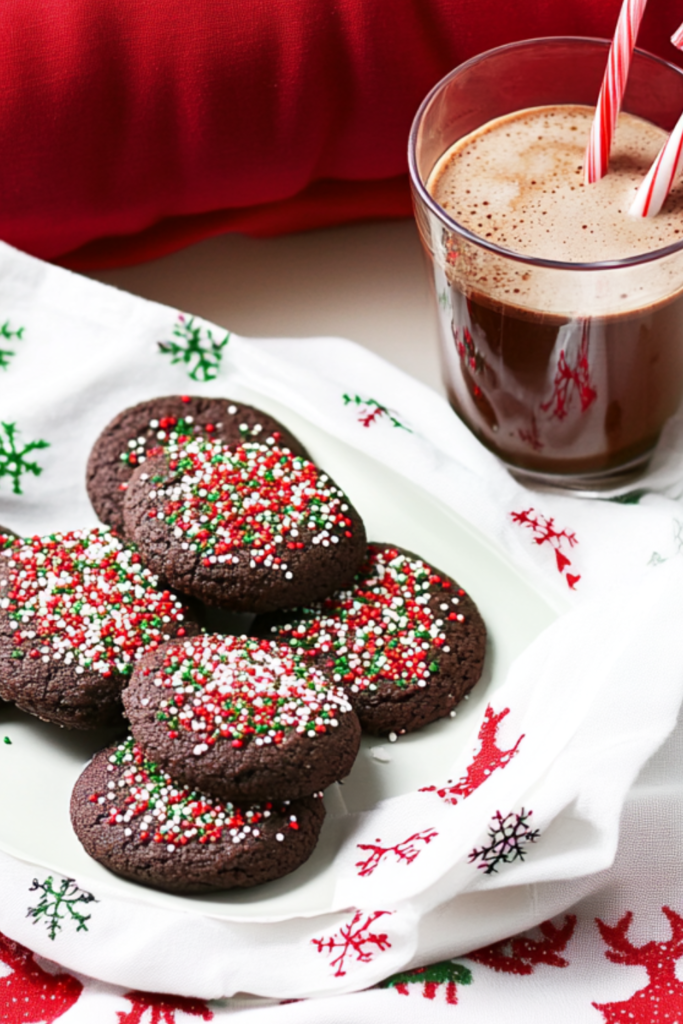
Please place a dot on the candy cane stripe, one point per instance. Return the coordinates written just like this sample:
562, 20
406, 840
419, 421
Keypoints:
656, 185
612, 90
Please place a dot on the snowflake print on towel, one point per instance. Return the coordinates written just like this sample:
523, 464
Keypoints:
405, 852
7, 334
508, 837
162, 1008
431, 979
29, 994
488, 758
13, 461
371, 411
60, 904
520, 955
545, 532
662, 997
354, 941
197, 348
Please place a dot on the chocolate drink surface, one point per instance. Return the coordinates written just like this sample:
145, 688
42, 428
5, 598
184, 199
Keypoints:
554, 369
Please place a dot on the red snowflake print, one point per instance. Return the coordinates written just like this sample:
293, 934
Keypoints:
662, 997
406, 851
488, 758
570, 380
29, 994
371, 411
354, 940
163, 1008
545, 532
521, 955
431, 979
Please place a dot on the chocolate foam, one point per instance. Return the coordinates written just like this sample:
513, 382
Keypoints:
518, 182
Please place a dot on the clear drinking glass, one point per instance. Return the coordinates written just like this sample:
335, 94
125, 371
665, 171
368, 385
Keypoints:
575, 397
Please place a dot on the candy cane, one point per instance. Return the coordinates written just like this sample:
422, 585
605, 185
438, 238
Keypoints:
612, 90
677, 38
656, 186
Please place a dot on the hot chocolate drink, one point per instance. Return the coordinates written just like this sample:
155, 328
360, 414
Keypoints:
554, 367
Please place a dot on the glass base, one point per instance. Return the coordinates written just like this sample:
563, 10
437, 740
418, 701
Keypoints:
586, 485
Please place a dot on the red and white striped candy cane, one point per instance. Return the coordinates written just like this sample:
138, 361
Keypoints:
656, 185
654, 189
612, 90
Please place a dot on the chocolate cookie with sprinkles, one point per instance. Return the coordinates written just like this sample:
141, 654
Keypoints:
240, 718
77, 610
137, 821
249, 527
405, 641
126, 442
6, 537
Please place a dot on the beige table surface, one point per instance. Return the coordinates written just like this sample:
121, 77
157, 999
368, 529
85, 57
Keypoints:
366, 282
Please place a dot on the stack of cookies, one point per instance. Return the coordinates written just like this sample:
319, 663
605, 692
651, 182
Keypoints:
232, 738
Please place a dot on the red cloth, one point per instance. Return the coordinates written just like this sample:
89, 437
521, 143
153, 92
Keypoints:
132, 128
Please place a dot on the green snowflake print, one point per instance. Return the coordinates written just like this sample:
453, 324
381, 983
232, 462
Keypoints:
57, 905
371, 411
197, 348
8, 334
13, 462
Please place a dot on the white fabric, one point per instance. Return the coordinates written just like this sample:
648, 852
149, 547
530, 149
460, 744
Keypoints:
594, 697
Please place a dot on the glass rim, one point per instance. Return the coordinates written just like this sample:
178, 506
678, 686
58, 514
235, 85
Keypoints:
460, 229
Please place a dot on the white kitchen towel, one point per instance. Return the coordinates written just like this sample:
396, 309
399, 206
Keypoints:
527, 818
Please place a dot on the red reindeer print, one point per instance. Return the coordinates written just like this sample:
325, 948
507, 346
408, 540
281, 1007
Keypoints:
406, 851
163, 1008
488, 759
662, 997
468, 352
570, 380
354, 940
30, 995
522, 955
531, 437
545, 532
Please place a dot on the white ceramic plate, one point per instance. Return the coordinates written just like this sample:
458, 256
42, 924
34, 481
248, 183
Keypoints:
39, 768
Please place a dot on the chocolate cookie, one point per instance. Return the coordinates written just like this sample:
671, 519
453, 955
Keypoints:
125, 443
77, 610
7, 537
405, 641
240, 718
133, 818
249, 528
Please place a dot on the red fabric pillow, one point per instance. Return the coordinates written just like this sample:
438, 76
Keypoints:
130, 129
